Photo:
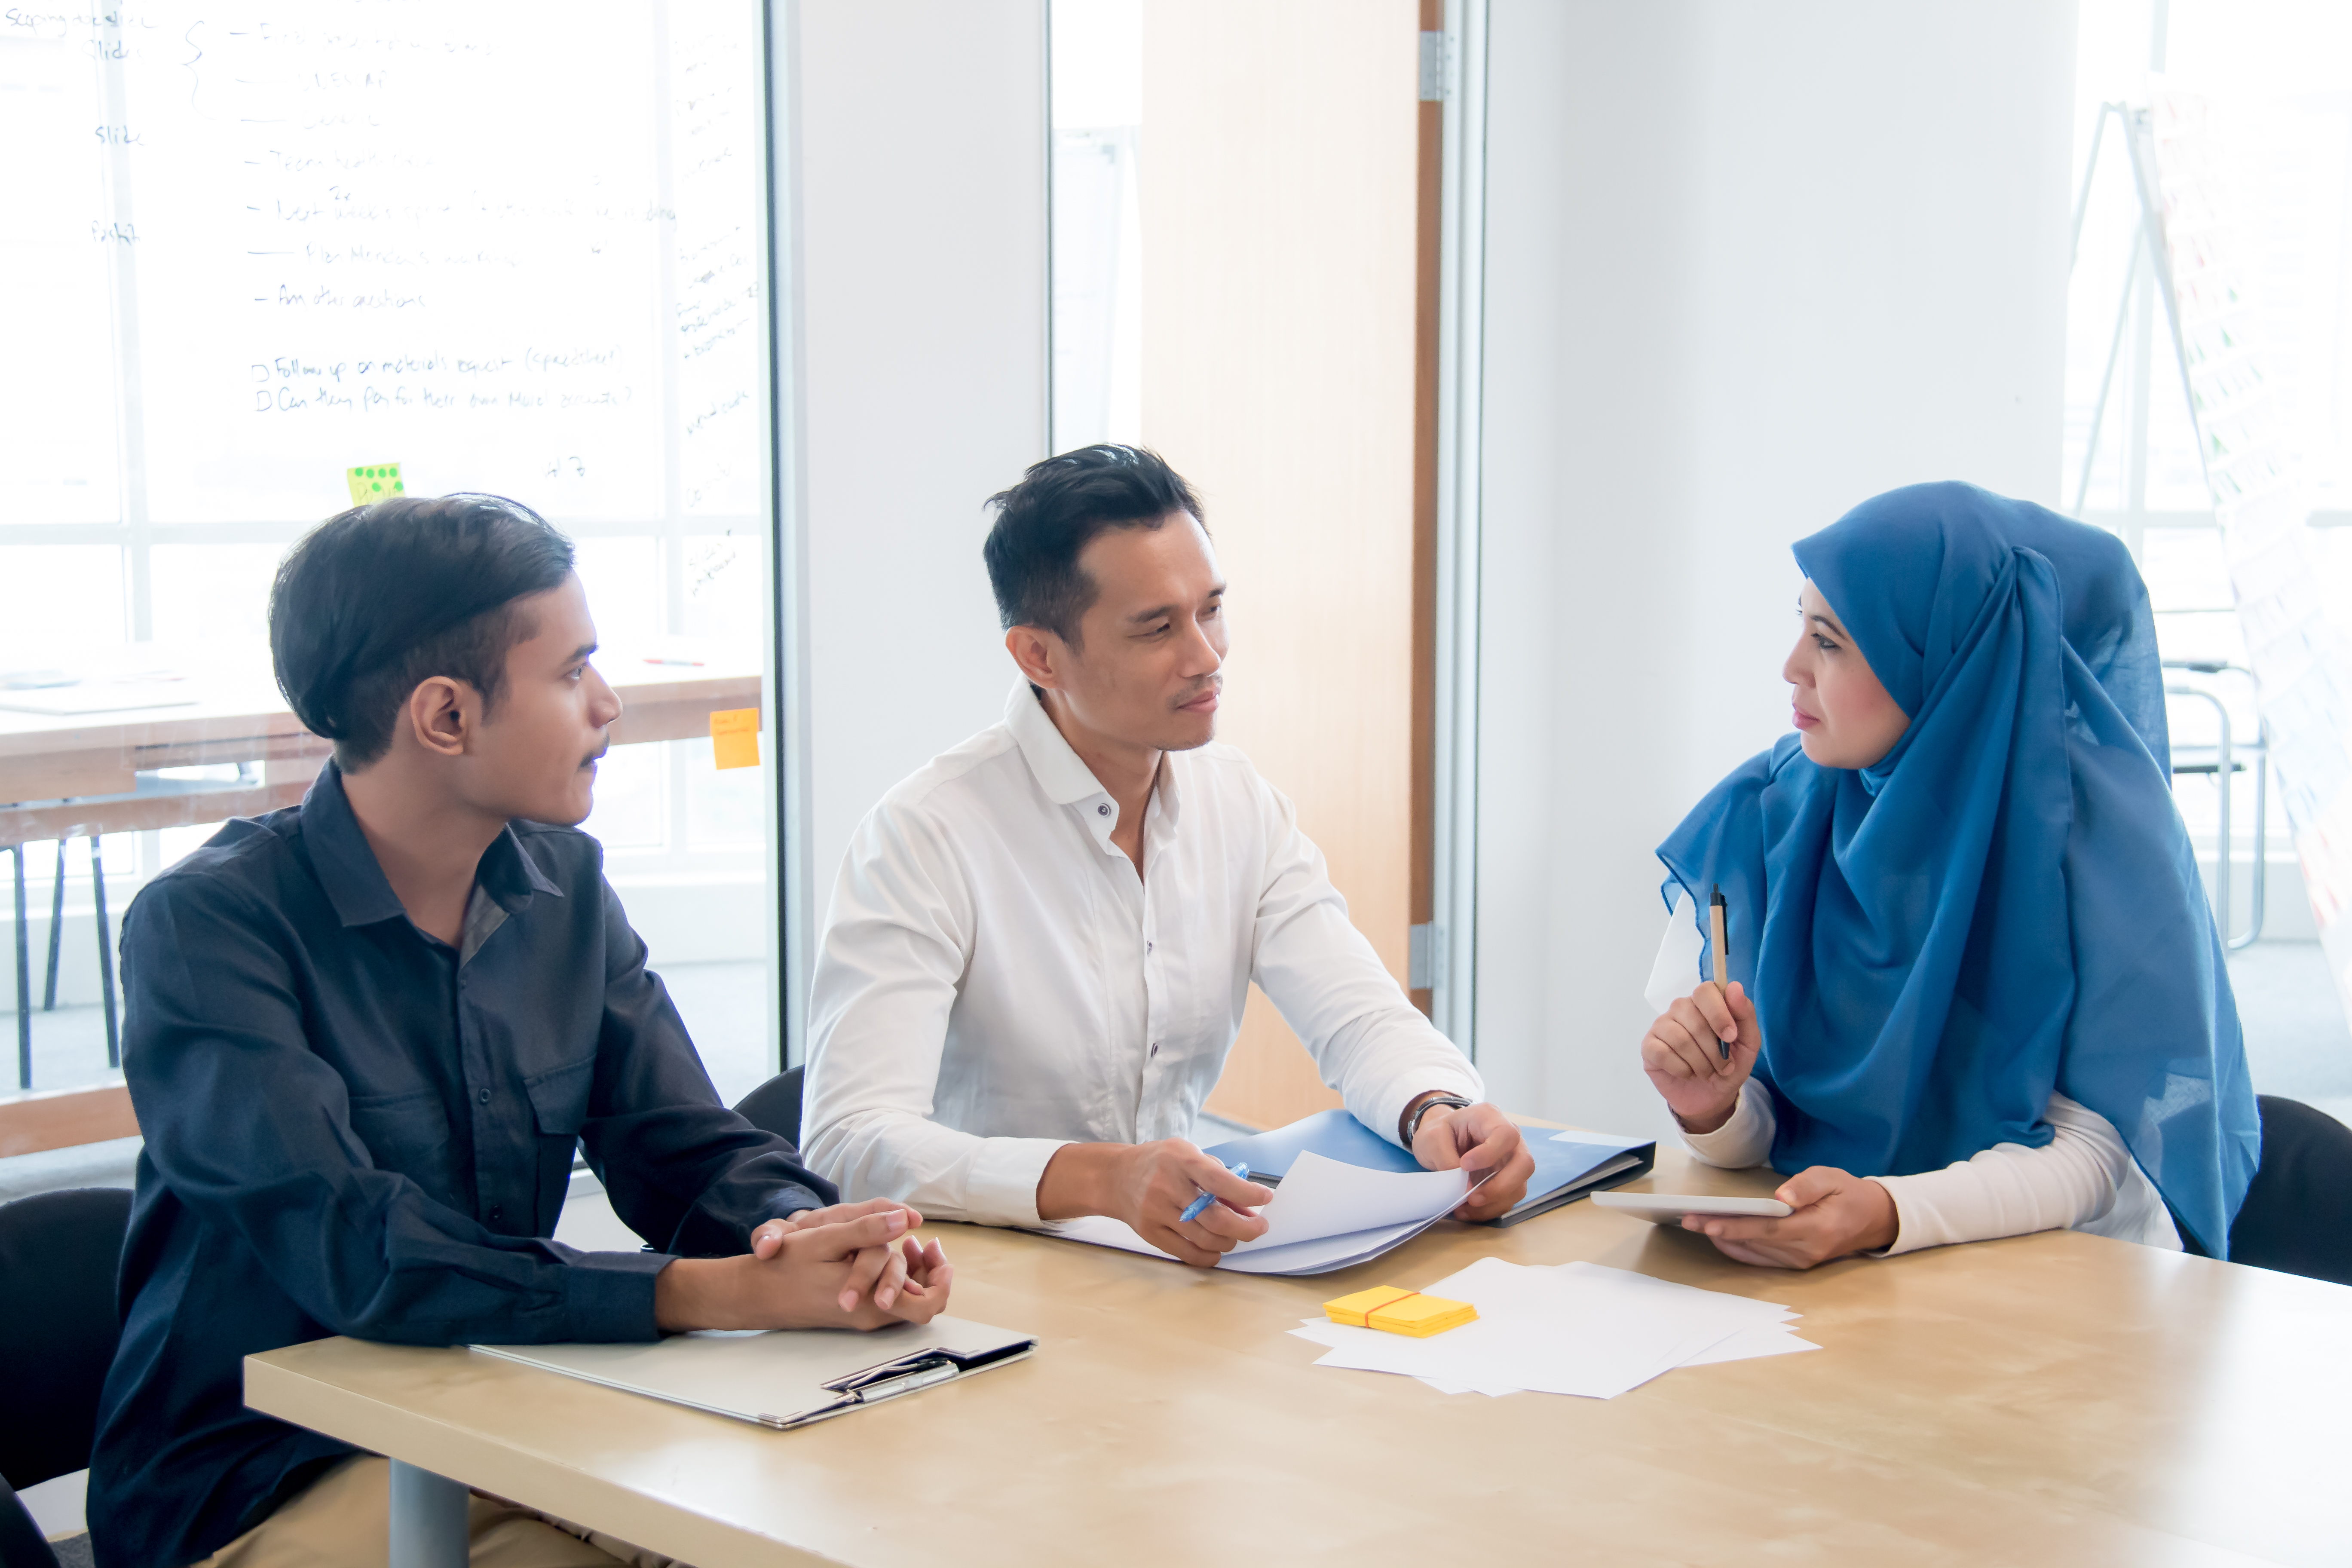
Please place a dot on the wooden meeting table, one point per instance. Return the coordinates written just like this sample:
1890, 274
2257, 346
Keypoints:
2053, 1398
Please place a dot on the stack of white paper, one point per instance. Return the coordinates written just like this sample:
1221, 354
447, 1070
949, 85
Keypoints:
1577, 1327
1325, 1216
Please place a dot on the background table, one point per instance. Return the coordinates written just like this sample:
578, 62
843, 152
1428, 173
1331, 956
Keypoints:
2053, 1398
240, 717
80, 774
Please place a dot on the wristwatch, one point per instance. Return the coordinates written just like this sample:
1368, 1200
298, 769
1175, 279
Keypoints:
1412, 1122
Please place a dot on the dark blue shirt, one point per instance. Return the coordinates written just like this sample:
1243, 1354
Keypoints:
353, 1128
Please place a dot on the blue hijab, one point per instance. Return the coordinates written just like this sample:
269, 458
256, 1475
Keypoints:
2006, 903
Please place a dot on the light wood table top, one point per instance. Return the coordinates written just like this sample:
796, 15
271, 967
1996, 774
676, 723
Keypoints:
2053, 1398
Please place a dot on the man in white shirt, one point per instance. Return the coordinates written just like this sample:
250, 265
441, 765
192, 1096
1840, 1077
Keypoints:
1039, 946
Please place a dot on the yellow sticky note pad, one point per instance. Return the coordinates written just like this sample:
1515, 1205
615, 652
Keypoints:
377, 481
1396, 1311
735, 738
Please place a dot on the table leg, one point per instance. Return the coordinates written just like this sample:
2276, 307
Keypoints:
23, 980
57, 931
428, 1519
105, 952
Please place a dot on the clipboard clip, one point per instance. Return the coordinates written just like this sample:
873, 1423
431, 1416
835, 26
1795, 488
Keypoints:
920, 1369
908, 1374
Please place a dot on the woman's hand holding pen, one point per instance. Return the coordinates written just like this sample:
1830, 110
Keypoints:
1700, 1051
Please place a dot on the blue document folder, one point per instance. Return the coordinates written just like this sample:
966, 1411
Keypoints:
1567, 1165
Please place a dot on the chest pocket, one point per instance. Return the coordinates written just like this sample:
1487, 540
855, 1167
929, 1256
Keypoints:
559, 1098
559, 1104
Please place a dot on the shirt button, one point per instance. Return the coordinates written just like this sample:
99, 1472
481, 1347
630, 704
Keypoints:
1155, 1048
1103, 810
1147, 947
484, 1097
496, 1213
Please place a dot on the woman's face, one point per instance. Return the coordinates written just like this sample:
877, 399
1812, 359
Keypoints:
1843, 715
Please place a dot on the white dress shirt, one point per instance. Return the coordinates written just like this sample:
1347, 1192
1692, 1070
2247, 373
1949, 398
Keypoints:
2084, 1179
995, 980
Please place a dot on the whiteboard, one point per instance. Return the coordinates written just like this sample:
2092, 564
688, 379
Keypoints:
516, 247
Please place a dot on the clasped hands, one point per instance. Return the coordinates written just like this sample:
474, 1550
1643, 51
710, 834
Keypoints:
1149, 1185
851, 1266
1837, 1213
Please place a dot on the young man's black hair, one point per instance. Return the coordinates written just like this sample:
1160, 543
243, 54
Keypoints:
376, 598
1043, 524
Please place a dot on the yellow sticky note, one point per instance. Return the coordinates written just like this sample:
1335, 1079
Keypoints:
1398, 1311
735, 738
377, 481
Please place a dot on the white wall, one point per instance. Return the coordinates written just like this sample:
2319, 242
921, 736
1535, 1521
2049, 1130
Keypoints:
920, 297
1746, 266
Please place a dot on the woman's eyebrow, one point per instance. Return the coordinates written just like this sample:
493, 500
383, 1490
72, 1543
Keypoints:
1828, 625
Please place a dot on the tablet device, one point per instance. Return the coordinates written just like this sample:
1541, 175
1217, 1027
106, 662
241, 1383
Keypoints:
1668, 1208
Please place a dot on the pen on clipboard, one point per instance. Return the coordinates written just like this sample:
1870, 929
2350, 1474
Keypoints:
1717, 912
1193, 1210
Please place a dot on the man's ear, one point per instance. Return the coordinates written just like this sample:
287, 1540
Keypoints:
438, 715
1041, 655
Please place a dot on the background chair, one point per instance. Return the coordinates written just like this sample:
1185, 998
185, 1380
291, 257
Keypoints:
775, 1106
58, 1256
2297, 1216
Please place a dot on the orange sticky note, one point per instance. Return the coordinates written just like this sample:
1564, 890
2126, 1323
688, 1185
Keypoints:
735, 738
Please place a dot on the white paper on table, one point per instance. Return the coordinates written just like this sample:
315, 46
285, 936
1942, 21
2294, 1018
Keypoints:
1765, 1339
1325, 1216
1575, 1329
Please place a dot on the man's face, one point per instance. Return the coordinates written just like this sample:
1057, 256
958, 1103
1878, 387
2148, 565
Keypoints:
1151, 645
534, 755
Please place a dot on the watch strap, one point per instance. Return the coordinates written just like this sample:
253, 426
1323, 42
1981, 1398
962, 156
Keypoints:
1412, 1122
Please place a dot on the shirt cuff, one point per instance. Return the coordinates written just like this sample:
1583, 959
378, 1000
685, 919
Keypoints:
1731, 1146
608, 1297
1002, 1187
1912, 1231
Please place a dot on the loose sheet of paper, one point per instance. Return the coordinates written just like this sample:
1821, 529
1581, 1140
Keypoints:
1577, 1327
1325, 1216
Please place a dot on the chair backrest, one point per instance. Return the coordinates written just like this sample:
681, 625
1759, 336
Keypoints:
21, 1545
775, 1106
59, 1255
2297, 1216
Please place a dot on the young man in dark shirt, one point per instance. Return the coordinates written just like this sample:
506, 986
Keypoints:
364, 1036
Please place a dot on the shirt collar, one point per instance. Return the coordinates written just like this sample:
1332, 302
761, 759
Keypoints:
1062, 773
1066, 780
355, 883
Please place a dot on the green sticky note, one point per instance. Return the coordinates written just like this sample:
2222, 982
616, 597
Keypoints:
377, 481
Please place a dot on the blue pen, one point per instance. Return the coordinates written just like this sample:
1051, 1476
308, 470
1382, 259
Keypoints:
1193, 1209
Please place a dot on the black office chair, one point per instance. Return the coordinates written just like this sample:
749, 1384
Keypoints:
59, 1255
2297, 1216
775, 1106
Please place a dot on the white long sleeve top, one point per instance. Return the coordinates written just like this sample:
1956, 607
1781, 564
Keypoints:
2084, 1179
995, 979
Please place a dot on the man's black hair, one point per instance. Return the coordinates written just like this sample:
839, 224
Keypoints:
1056, 511
375, 600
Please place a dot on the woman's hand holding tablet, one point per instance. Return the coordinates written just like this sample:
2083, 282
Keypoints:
1836, 1215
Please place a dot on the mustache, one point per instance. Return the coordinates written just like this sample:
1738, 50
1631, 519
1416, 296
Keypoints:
1213, 683
592, 758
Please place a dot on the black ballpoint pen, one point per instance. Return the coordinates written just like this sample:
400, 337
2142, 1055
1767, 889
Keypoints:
1716, 914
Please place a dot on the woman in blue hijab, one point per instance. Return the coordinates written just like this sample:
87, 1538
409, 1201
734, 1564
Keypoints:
1987, 995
